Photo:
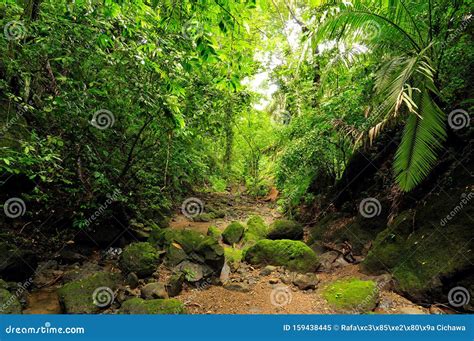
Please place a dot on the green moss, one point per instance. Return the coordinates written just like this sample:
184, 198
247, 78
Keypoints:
9, 304
204, 217
141, 258
352, 295
256, 225
233, 233
294, 255
77, 297
159, 306
420, 259
188, 244
286, 229
233, 255
214, 232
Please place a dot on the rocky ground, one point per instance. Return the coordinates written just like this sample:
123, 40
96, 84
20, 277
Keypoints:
181, 270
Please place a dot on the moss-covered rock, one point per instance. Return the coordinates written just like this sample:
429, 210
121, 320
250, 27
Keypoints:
285, 229
158, 306
256, 230
181, 245
9, 304
352, 295
204, 217
294, 255
214, 232
77, 297
426, 256
233, 233
140, 258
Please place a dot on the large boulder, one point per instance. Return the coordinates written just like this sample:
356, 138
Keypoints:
191, 246
158, 306
285, 229
294, 255
352, 295
89, 295
233, 233
256, 230
140, 258
16, 264
428, 256
9, 303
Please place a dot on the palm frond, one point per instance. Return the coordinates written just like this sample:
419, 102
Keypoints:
422, 138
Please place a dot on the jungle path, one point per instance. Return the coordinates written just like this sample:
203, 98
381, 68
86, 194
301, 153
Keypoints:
254, 292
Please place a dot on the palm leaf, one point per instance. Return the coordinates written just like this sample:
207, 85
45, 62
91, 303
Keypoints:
422, 138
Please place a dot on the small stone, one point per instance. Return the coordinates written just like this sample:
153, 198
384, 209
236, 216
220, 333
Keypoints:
267, 270
153, 291
305, 282
132, 280
273, 280
239, 287
175, 285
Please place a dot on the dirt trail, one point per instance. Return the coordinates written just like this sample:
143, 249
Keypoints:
256, 293
267, 294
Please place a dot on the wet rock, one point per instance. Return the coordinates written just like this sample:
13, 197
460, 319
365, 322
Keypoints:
305, 282
175, 285
158, 306
239, 287
132, 280
153, 291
